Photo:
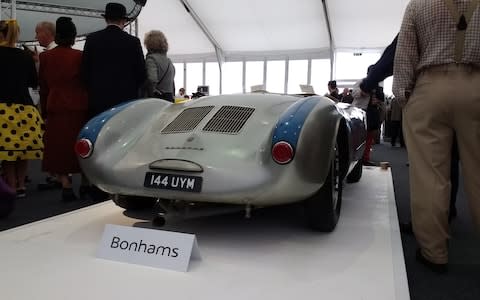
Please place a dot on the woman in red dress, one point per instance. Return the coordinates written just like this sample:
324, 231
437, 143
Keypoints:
63, 100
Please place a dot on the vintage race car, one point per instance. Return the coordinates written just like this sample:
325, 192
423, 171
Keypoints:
250, 149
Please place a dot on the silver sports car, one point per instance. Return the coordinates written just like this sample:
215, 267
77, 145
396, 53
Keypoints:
249, 149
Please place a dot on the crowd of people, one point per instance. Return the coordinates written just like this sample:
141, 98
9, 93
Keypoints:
436, 70
73, 86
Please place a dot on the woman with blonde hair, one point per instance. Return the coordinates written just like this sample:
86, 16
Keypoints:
160, 69
21, 132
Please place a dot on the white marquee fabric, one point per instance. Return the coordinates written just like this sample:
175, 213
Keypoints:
248, 28
29, 13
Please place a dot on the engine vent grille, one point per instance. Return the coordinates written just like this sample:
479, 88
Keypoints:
229, 119
188, 119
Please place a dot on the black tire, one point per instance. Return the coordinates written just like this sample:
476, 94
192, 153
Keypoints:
134, 202
322, 210
356, 173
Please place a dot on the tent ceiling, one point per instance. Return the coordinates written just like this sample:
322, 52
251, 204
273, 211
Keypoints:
253, 27
29, 13
183, 34
365, 24
268, 25
246, 28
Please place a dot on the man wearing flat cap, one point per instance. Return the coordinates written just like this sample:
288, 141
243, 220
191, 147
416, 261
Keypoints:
113, 65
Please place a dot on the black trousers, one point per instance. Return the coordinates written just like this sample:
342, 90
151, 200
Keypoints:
396, 132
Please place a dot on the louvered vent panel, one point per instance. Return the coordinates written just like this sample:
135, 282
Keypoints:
187, 120
229, 119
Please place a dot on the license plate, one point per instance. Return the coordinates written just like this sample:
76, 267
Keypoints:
165, 181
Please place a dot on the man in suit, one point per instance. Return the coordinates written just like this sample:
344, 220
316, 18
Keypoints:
113, 69
113, 65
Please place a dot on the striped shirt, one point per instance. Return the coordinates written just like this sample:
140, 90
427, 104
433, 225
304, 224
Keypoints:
427, 38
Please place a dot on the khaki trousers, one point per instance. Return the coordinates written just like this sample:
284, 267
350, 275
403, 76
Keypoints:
446, 100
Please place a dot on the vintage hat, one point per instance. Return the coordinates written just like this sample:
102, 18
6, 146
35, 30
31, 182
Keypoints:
115, 11
64, 28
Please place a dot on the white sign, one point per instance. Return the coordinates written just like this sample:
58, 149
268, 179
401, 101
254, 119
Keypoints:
149, 247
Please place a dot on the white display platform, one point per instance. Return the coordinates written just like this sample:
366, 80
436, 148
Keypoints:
270, 256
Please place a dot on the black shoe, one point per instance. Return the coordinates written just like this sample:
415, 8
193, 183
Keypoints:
52, 185
98, 195
7, 205
21, 193
84, 191
369, 163
68, 195
406, 228
437, 268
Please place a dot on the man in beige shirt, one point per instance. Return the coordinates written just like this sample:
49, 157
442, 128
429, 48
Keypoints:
436, 76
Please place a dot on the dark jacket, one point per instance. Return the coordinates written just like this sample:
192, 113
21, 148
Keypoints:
382, 69
113, 68
17, 74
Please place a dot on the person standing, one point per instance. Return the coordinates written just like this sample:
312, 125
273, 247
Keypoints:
113, 69
347, 96
113, 65
64, 103
160, 69
436, 74
396, 123
333, 91
374, 122
45, 35
20, 122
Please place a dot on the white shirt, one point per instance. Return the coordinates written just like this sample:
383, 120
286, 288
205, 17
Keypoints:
51, 46
359, 100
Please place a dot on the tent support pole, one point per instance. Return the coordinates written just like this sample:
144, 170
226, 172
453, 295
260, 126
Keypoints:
218, 49
330, 37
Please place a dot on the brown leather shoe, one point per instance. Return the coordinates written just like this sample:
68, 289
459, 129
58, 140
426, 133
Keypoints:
437, 268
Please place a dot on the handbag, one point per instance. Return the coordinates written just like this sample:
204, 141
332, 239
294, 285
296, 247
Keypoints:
157, 93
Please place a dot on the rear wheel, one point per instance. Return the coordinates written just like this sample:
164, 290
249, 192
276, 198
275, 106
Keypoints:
356, 173
323, 208
134, 202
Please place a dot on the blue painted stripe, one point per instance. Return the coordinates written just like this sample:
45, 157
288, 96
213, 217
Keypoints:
291, 122
91, 130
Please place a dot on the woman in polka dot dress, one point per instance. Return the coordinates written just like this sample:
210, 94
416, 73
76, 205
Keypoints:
21, 131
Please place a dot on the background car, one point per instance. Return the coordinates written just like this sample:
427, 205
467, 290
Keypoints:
254, 150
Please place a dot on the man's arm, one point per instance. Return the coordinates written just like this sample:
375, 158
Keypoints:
140, 71
86, 62
382, 69
43, 86
406, 56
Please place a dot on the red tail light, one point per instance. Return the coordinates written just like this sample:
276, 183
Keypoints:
83, 148
282, 153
